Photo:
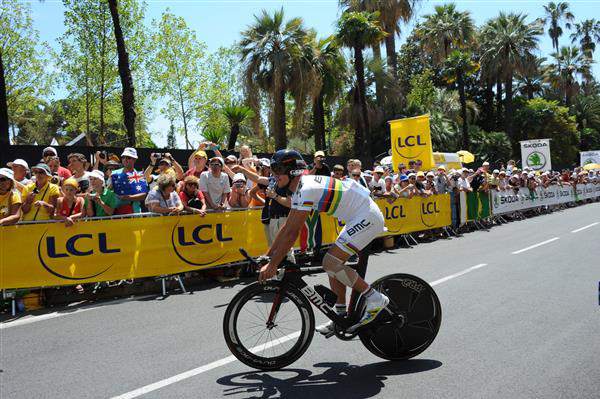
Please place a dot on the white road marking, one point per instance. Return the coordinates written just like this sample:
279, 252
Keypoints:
584, 227
450, 277
66, 312
229, 359
536, 245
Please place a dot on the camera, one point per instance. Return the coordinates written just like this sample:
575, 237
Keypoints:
103, 155
36, 190
158, 155
212, 147
55, 179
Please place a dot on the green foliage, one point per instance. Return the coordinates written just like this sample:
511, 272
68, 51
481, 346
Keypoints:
422, 91
171, 137
359, 29
23, 60
542, 119
494, 147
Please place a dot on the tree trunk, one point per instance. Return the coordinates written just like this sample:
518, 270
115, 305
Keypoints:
4, 134
390, 51
378, 84
279, 120
499, 103
508, 108
359, 65
489, 107
128, 97
463, 109
233, 135
87, 103
319, 122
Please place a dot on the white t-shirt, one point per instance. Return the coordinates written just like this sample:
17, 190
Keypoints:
377, 184
216, 187
463, 183
342, 199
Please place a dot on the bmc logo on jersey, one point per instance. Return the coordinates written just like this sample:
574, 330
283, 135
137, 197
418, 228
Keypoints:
360, 226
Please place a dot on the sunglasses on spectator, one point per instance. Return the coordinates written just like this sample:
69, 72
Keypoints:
48, 154
215, 164
39, 172
355, 175
412, 178
192, 184
229, 162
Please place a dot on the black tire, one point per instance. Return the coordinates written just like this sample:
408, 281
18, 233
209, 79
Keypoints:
392, 338
245, 329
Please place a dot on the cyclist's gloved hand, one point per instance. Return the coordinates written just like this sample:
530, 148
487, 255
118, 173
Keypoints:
267, 272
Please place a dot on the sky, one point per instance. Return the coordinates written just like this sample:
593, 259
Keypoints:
218, 23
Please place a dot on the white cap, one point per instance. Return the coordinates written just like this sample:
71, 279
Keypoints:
379, 169
130, 152
463, 170
486, 163
430, 174
265, 162
388, 177
412, 175
6, 173
51, 149
231, 158
18, 162
238, 176
546, 173
530, 175
97, 174
495, 171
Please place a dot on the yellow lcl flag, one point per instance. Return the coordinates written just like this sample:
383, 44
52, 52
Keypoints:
411, 140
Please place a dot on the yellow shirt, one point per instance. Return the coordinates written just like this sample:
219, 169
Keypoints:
45, 193
10, 198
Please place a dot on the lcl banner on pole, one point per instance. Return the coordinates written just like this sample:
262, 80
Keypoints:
589, 157
411, 140
535, 154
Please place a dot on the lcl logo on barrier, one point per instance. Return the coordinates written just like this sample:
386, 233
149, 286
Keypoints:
409, 142
78, 245
395, 212
204, 234
429, 212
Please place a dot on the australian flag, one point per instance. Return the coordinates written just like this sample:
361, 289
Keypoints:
129, 183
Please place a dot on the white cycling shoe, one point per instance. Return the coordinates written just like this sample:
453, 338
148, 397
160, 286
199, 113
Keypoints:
373, 307
326, 329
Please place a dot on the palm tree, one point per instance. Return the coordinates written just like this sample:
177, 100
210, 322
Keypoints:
508, 44
458, 66
269, 49
235, 114
358, 30
331, 67
569, 62
128, 97
555, 14
531, 82
587, 112
444, 31
588, 33
442, 34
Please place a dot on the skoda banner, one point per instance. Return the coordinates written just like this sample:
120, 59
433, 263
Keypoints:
411, 140
535, 154
588, 157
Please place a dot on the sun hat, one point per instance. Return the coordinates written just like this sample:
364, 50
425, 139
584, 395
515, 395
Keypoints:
7, 173
50, 149
238, 177
43, 167
130, 152
97, 174
18, 161
319, 154
71, 182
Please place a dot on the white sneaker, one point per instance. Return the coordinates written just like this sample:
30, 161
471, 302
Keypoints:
326, 329
375, 304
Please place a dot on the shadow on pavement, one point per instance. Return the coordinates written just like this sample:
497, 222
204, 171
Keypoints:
337, 380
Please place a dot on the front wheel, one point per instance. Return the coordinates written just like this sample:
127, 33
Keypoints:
267, 344
412, 322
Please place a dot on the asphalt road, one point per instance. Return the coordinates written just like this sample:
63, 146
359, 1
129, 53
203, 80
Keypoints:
519, 325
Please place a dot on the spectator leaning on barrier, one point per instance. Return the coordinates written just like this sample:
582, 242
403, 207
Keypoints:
463, 182
109, 167
78, 166
441, 180
40, 197
420, 185
19, 168
214, 185
69, 207
191, 197
100, 201
404, 188
10, 199
319, 167
430, 183
164, 199
129, 184
258, 192
240, 195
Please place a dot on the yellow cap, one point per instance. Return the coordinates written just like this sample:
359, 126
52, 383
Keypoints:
71, 182
419, 174
200, 153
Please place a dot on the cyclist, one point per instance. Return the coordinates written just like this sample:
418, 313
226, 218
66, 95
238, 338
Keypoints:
345, 200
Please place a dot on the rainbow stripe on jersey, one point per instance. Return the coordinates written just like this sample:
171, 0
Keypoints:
331, 196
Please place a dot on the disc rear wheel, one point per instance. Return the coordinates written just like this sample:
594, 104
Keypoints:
410, 323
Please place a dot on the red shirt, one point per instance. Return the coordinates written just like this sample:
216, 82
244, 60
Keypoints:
184, 197
64, 173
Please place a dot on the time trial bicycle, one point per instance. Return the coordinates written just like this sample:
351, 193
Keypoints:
269, 326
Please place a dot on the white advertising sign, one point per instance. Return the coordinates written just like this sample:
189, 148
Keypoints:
535, 154
589, 157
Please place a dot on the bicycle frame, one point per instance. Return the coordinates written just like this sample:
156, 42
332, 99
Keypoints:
292, 277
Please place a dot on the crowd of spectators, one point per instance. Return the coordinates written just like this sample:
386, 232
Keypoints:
113, 186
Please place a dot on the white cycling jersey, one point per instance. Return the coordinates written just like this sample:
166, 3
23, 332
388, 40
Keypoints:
341, 199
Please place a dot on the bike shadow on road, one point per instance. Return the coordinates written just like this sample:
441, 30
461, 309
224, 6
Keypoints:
337, 379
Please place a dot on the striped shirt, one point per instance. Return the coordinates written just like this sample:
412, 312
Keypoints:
341, 199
